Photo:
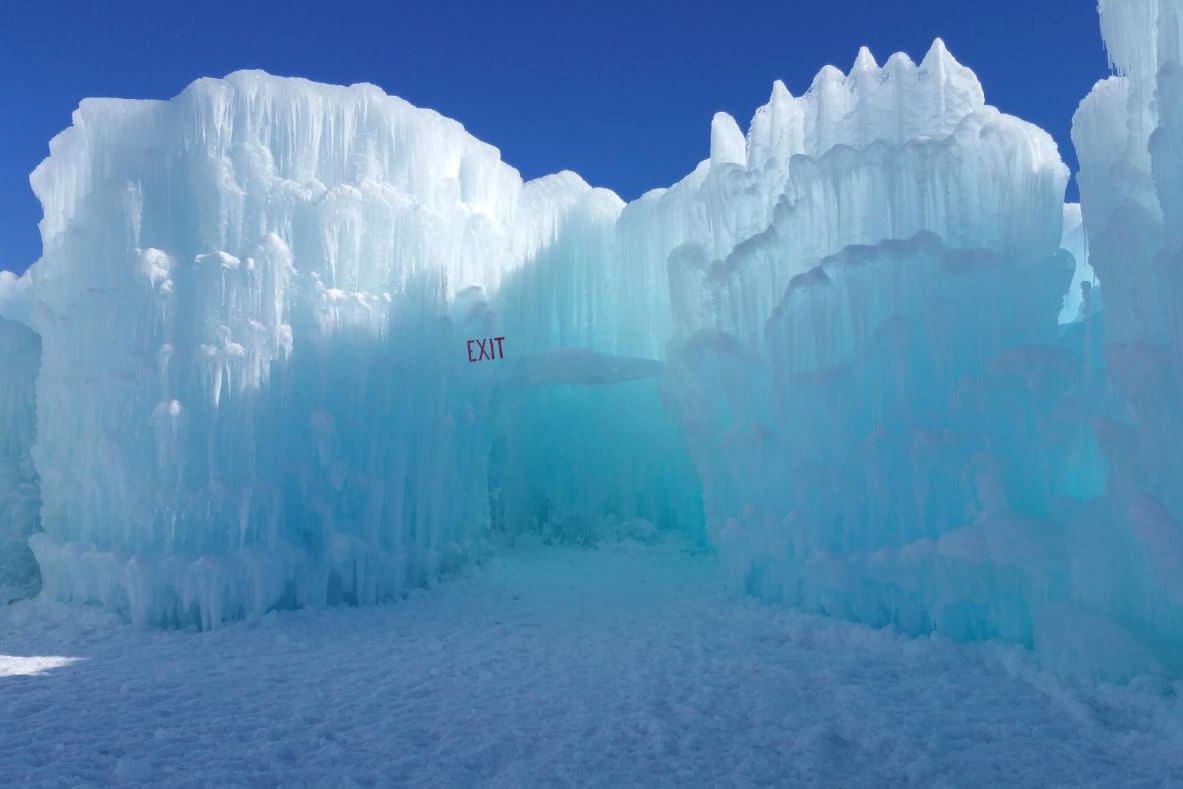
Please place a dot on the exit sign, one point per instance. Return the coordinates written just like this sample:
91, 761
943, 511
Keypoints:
486, 349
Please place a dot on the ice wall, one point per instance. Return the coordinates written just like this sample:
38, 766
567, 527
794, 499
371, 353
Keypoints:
881, 152
887, 421
898, 453
254, 304
255, 301
1127, 133
889, 424
20, 356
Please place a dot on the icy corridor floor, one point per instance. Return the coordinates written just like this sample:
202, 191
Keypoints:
547, 668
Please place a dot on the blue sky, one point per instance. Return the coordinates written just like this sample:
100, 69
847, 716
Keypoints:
620, 92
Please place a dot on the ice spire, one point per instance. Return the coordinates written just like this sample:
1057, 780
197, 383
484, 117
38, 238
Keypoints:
865, 61
938, 59
727, 141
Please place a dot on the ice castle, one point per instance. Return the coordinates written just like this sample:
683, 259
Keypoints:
857, 352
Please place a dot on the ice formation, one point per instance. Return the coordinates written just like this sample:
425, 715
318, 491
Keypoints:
253, 304
1127, 133
1084, 285
20, 353
907, 437
853, 349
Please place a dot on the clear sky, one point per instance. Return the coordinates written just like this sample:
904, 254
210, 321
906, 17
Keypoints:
620, 92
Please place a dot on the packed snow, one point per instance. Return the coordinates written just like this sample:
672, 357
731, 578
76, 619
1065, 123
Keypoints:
622, 667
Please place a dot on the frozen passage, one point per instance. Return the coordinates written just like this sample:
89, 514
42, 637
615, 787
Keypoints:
851, 351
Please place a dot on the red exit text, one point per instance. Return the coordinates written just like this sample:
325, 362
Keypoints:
486, 350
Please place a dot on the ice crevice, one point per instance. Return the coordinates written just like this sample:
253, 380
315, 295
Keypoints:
859, 351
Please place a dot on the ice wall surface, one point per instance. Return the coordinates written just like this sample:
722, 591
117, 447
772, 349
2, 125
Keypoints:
253, 305
869, 369
252, 389
20, 354
912, 441
1127, 133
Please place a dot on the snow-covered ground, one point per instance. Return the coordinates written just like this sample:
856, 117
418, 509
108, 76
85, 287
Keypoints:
554, 667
